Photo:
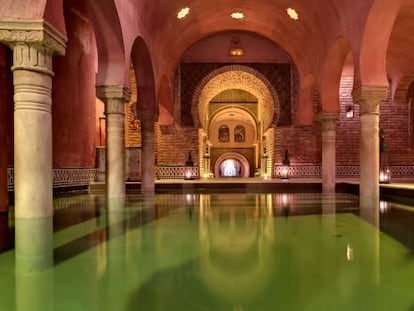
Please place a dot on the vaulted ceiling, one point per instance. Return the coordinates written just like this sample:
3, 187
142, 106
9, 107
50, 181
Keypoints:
379, 34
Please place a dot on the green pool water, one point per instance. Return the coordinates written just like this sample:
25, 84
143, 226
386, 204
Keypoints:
235, 252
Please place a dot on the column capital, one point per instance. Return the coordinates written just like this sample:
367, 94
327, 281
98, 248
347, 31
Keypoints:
37, 33
328, 120
369, 98
147, 119
106, 92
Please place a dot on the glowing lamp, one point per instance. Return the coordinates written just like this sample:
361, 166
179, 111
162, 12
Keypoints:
349, 112
385, 176
188, 175
284, 171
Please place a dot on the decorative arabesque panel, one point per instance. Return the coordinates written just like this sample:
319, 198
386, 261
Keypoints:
278, 74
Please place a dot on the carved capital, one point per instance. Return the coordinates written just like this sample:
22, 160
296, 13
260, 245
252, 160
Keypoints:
114, 106
38, 33
33, 58
113, 92
369, 98
328, 120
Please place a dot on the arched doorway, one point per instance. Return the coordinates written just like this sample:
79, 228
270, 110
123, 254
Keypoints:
232, 165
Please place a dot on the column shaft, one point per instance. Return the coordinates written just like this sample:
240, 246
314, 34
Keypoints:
115, 150
147, 152
369, 99
114, 98
33, 182
329, 151
369, 160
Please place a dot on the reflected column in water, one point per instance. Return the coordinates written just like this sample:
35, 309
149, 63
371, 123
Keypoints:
34, 244
236, 258
34, 291
371, 215
34, 260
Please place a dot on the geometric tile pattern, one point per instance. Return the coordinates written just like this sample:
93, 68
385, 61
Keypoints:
347, 171
62, 177
80, 177
176, 172
300, 171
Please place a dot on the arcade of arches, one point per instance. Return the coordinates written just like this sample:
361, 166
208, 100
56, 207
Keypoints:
120, 90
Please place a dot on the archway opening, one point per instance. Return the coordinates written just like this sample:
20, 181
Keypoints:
230, 168
232, 165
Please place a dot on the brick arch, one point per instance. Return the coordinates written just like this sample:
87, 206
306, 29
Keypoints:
236, 77
404, 89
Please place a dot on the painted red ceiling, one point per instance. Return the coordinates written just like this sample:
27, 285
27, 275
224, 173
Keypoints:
379, 33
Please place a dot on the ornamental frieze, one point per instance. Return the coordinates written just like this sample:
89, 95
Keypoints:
39, 33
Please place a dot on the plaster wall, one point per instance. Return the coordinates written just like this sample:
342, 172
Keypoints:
256, 49
6, 122
74, 100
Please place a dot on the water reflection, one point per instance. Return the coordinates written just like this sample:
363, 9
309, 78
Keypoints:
237, 250
6, 234
213, 251
33, 263
33, 244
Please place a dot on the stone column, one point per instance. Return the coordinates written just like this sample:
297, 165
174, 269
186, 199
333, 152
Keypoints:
328, 120
114, 98
33, 43
369, 99
147, 119
33, 184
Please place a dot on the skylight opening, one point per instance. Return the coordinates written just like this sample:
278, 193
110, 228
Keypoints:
183, 13
292, 14
237, 15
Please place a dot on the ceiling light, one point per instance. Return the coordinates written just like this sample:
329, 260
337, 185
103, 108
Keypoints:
183, 13
237, 15
292, 13
235, 48
236, 52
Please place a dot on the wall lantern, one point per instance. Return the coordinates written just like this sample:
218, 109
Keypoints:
235, 47
284, 172
188, 174
385, 173
349, 111
385, 176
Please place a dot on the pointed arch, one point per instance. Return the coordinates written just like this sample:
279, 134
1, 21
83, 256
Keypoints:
165, 102
371, 64
236, 77
306, 96
109, 40
144, 74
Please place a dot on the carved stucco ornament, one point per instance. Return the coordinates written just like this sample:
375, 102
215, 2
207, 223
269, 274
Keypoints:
369, 98
38, 33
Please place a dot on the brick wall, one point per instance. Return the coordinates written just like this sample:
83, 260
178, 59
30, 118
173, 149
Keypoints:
394, 120
175, 143
347, 129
